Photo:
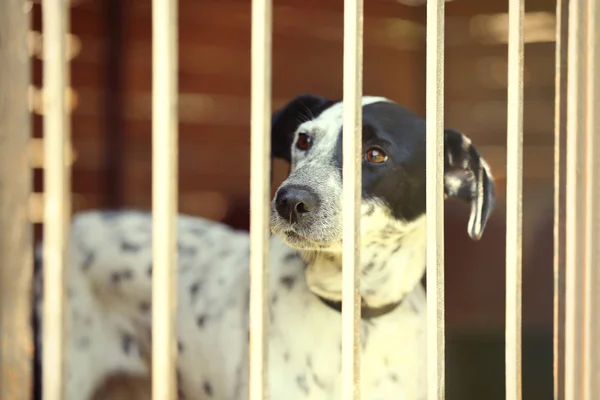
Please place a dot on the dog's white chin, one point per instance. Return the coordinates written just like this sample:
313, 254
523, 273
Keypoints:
300, 242
297, 241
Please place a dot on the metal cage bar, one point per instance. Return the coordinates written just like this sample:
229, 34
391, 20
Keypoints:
351, 197
435, 199
164, 198
260, 173
514, 200
575, 202
591, 293
57, 205
560, 140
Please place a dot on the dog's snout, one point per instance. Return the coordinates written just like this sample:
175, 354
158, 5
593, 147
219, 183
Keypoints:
294, 202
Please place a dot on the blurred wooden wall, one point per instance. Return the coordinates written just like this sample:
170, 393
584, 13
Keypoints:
111, 85
214, 81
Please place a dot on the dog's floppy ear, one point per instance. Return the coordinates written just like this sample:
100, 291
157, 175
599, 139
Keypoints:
468, 177
286, 120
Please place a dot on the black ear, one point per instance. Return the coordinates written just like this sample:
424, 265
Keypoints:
468, 177
286, 120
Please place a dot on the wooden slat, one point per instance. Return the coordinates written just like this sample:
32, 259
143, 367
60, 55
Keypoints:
16, 244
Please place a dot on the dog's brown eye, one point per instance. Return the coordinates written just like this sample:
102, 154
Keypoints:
376, 156
304, 141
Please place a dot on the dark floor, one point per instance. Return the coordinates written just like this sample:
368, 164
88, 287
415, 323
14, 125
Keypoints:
475, 366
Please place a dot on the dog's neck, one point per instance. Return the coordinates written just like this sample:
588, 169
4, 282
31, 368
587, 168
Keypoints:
393, 263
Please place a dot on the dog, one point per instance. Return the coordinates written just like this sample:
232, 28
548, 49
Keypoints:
110, 268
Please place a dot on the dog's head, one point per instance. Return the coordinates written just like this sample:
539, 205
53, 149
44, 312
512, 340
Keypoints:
306, 209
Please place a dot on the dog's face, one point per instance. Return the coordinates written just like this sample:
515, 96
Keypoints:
306, 209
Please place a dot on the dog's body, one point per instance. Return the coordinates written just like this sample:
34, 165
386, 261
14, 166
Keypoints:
111, 264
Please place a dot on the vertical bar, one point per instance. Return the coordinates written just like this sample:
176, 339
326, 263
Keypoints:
575, 202
560, 144
435, 197
514, 200
57, 204
164, 198
16, 183
591, 293
260, 174
351, 197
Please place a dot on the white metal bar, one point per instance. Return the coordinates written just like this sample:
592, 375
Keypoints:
435, 198
575, 202
164, 198
560, 143
57, 207
351, 197
260, 175
514, 200
591, 293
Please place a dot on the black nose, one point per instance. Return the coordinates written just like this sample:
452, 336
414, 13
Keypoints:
294, 202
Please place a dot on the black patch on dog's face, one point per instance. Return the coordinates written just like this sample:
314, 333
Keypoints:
285, 121
399, 182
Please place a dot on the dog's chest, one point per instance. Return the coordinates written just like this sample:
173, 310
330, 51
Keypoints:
305, 349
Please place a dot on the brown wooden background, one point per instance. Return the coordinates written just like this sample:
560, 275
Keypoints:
111, 79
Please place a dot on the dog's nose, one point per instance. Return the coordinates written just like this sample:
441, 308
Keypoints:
293, 203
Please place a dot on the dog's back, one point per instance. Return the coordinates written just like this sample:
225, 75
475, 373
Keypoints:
109, 294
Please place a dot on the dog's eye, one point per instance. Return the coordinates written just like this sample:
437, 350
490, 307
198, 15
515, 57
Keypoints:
376, 155
304, 141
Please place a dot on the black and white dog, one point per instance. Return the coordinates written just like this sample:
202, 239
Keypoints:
110, 268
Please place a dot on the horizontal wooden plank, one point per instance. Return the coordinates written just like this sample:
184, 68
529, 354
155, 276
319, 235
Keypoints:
211, 205
189, 10
307, 60
473, 7
289, 22
92, 127
91, 74
194, 108
491, 29
231, 159
482, 68
192, 9
83, 73
486, 120
83, 181
138, 178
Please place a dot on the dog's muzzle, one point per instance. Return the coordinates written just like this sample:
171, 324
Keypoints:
296, 204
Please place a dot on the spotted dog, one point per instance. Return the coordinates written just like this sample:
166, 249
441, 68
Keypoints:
110, 268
